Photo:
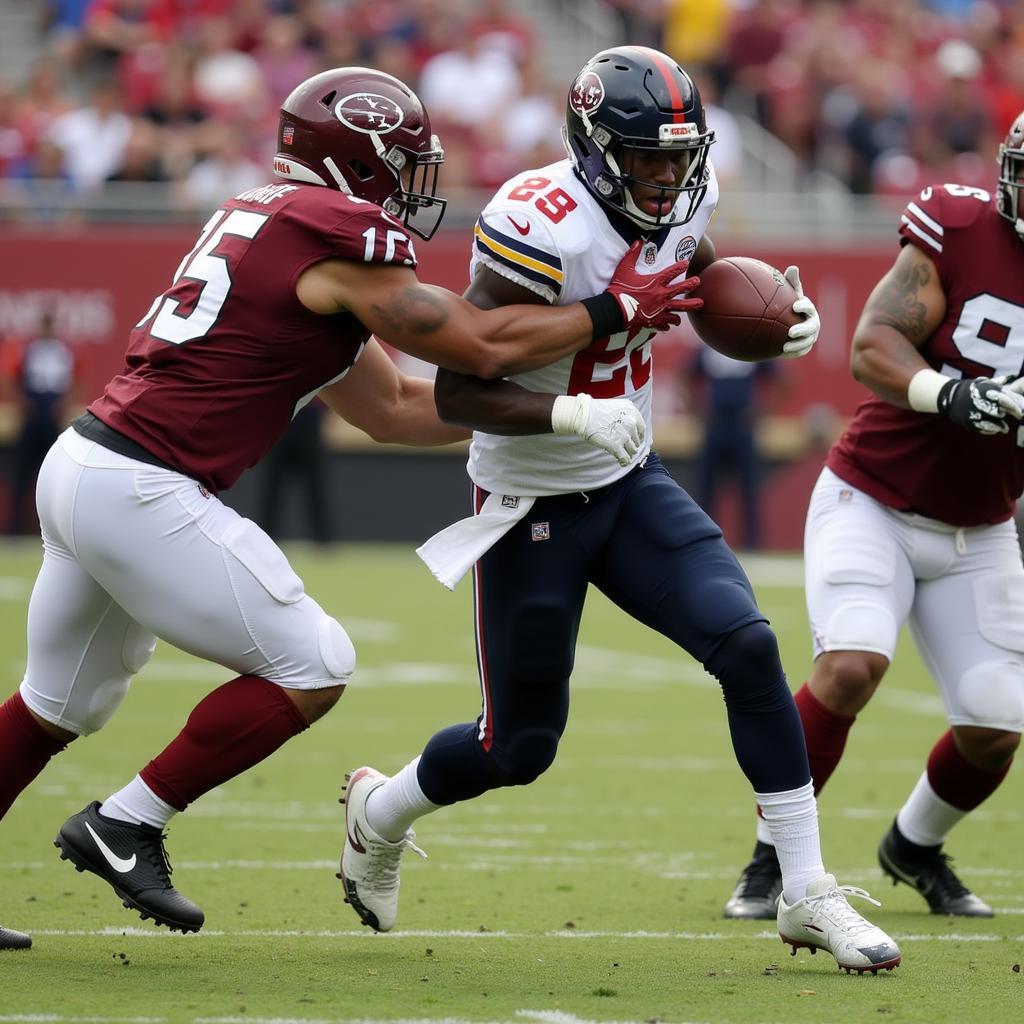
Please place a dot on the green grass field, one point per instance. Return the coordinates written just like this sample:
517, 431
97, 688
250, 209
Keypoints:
593, 895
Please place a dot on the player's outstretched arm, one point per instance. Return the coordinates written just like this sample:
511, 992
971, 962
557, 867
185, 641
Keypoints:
390, 406
501, 407
905, 308
440, 327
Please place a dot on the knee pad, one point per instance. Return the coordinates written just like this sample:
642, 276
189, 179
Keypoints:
748, 668
336, 650
104, 701
82, 713
526, 757
137, 648
991, 695
90, 699
861, 625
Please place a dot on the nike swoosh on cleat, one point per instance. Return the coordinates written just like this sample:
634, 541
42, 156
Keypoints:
119, 864
515, 224
356, 845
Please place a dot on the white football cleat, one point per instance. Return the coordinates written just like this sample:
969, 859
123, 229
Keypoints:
824, 919
369, 863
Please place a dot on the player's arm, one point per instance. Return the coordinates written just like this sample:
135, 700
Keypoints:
904, 310
502, 407
390, 406
495, 406
433, 324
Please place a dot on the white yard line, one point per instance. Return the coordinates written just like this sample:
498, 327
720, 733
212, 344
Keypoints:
574, 934
542, 1016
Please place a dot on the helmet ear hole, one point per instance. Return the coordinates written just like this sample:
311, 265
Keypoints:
363, 173
326, 101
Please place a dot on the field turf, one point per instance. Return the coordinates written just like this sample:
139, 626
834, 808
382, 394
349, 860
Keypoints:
593, 895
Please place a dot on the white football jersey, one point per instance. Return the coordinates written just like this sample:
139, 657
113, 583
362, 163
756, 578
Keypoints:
545, 231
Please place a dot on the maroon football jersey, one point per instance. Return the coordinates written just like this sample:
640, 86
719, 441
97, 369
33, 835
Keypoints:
224, 358
922, 462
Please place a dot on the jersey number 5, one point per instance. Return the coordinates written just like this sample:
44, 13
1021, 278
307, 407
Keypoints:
211, 271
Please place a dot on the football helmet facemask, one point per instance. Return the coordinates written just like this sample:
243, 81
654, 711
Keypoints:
366, 134
637, 98
1011, 175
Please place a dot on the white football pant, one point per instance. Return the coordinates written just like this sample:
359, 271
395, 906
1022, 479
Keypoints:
868, 569
132, 552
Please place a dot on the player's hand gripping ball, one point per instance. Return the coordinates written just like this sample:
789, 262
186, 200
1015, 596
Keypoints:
748, 310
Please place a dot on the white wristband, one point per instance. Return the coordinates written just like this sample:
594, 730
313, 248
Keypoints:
569, 413
923, 390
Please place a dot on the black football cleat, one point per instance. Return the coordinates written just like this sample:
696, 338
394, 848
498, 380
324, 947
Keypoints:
927, 869
756, 895
133, 860
10, 939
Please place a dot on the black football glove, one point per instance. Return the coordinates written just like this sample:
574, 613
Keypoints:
980, 404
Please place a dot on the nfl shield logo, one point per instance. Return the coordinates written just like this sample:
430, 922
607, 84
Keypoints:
288, 134
650, 254
540, 531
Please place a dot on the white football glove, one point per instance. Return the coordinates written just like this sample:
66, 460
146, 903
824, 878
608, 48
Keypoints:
614, 424
804, 334
1012, 382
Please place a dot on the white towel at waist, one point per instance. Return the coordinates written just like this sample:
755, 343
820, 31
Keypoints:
452, 552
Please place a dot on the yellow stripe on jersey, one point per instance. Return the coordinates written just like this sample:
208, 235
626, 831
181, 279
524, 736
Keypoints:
510, 256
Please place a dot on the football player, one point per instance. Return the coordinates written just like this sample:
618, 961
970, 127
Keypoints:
276, 302
911, 521
555, 516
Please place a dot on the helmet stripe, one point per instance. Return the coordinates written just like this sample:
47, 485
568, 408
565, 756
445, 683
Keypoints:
657, 59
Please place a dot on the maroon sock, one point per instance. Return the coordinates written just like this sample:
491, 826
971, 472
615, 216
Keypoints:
229, 730
25, 747
956, 780
825, 732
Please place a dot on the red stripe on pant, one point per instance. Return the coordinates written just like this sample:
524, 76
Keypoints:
486, 728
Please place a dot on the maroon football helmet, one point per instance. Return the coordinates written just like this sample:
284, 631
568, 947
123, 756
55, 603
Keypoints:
364, 133
1011, 175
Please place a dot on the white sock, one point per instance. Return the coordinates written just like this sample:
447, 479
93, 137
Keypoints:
393, 807
764, 833
139, 805
792, 821
926, 819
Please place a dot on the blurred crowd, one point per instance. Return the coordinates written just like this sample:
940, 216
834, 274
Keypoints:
886, 95
882, 94
187, 91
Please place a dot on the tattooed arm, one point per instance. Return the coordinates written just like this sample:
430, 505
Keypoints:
434, 324
905, 308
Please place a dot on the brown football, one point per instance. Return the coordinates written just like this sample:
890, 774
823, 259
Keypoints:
747, 309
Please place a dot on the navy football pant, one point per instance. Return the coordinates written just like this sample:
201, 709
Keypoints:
646, 544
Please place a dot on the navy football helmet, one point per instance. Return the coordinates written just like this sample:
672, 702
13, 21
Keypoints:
365, 133
1011, 175
637, 98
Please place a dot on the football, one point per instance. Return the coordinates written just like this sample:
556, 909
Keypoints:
747, 310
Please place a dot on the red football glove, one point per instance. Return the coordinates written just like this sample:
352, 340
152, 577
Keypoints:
652, 300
